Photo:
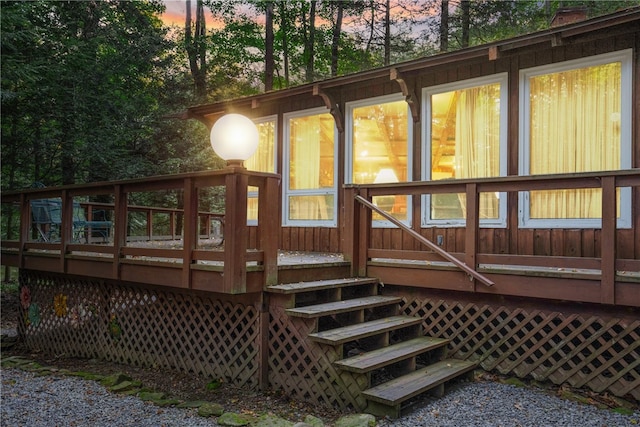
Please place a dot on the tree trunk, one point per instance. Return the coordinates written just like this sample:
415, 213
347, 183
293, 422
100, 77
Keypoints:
196, 49
466, 22
387, 33
444, 25
269, 62
310, 43
337, 29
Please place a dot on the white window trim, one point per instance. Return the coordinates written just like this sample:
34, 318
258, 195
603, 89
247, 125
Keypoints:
272, 118
626, 59
348, 177
503, 80
286, 192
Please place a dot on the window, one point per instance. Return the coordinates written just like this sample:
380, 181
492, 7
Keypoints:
310, 170
263, 160
576, 117
378, 137
465, 128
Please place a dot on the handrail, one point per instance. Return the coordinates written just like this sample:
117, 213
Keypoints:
446, 255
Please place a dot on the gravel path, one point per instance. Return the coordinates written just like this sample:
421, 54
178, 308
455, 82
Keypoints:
45, 401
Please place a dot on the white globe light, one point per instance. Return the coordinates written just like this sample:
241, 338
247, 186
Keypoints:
234, 138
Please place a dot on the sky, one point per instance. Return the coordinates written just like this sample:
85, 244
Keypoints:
174, 15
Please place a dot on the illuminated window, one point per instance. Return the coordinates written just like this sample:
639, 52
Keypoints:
378, 136
263, 160
465, 137
310, 180
576, 117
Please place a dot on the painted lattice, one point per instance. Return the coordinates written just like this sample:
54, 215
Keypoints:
304, 369
141, 326
601, 353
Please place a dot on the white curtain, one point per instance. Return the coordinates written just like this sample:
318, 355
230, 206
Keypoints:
574, 127
478, 141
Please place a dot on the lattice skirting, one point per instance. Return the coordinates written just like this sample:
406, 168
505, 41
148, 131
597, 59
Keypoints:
304, 370
591, 348
145, 327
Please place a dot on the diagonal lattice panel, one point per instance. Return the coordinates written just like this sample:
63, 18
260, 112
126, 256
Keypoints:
598, 352
141, 326
304, 369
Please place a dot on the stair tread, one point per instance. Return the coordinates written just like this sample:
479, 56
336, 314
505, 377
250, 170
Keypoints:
290, 288
376, 359
403, 388
330, 308
362, 330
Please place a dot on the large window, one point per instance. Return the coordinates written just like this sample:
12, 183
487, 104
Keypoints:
576, 117
465, 137
310, 169
378, 136
263, 160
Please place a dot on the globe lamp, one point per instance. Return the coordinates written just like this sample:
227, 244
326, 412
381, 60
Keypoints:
234, 138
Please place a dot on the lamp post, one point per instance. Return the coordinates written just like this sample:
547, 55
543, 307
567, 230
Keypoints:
234, 138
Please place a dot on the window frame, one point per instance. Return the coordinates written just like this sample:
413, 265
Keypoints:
286, 156
625, 57
427, 92
272, 118
348, 166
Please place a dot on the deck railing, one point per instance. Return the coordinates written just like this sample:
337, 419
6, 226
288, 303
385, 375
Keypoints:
231, 260
359, 250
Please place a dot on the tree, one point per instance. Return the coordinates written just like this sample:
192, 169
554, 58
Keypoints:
268, 49
309, 43
196, 47
87, 110
444, 25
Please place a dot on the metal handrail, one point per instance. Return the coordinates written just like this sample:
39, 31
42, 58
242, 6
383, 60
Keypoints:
473, 274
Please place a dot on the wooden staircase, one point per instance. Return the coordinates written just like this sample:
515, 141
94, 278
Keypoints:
374, 339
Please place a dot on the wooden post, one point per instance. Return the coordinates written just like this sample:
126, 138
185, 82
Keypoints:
25, 227
471, 230
190, 228
236, 233
269, 228
350, 232
608, 241
150, 224
363, 217
66, 228
263, 341
172, 225
120, 229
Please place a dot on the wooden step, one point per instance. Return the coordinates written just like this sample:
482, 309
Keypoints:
331, 308
396, 391
363, 330
292, 288
385, 356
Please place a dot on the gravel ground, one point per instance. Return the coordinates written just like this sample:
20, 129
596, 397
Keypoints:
45, 401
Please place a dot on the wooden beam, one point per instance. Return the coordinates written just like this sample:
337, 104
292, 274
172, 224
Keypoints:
471, 229
608, 242
494, 53
190, 227
332, 105
408, 90
120, 229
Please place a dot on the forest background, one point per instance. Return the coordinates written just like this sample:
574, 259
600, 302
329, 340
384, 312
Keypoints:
88, 86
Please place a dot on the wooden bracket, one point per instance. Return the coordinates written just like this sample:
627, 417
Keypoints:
408, 90
332, 105
494, 53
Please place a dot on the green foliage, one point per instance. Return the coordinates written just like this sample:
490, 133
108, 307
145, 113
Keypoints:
85, 106
87, 87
